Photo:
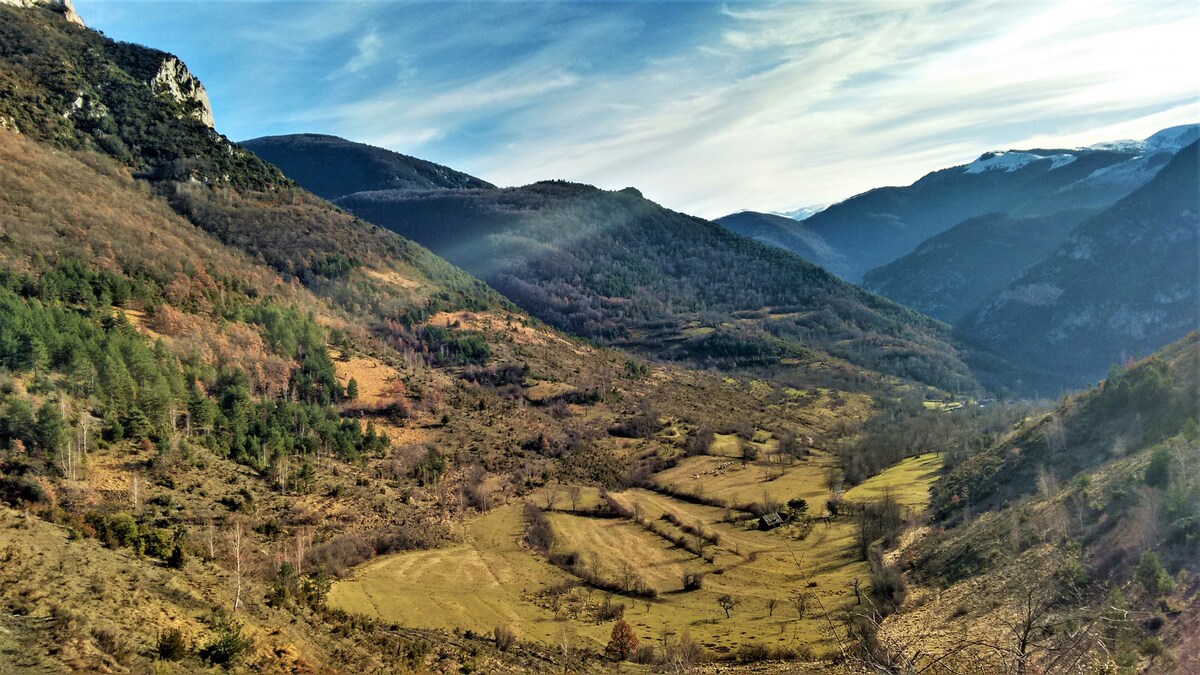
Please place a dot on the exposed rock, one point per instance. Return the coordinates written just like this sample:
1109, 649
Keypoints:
64, 7
175, 80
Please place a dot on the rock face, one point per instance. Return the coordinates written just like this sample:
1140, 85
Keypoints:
175, 80
63, 7
1120, 286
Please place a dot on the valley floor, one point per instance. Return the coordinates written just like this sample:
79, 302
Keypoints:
492, 579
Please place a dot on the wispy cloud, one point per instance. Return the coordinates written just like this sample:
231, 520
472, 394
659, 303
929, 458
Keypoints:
706, 107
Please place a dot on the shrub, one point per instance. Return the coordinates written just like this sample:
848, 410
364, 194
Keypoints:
228, 646
888, 589
1158, 472
110, 642
504, 637
610, 610
645, 655
171, 645
178, 557
752, 652
1151, 575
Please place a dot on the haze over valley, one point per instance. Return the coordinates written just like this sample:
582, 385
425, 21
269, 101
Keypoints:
437, 338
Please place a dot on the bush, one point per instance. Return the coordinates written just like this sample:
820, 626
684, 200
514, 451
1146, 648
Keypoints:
610, 610
888, 589
171, 645
1158, 472
178, 557
228, 646
504, 637
1151, 575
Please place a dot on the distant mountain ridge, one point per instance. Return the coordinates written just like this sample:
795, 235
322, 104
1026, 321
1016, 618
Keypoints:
333, 167
950, 274
881, 225
1122, 284
783, 231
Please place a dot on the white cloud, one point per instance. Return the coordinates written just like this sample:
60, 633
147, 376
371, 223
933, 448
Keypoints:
807, 103
707, 108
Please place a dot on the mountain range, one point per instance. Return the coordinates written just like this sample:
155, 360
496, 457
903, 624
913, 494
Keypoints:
881, 225
1023, 214
244, 429
307, 159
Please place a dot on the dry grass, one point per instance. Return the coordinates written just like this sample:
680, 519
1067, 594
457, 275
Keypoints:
492, 578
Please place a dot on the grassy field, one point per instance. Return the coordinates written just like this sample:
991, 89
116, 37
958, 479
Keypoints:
907, 481
735, 481
492, 580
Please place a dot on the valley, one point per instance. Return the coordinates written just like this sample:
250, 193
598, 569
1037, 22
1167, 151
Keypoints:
309, 406
494, 579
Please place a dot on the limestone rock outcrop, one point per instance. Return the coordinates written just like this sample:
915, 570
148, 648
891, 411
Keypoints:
175, 80
64, 7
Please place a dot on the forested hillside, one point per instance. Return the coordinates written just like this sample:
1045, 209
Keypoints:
217, 392
1071, 541
332, 167
1122, 285
615, 267
949, 275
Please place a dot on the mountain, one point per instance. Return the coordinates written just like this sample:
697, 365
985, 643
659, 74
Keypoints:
333, 167
1087, 515
616, 267
881, 225
951, 274
783, 232
244, 431
219, 394
804, 211
1123, 284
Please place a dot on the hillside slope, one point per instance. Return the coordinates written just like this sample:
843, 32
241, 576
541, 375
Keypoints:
1070, 543
616, 267
950, 274
783, 232
217, 392
332, 167
1122, 285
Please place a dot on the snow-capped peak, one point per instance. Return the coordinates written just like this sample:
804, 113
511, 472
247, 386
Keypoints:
1011, 161
1174, 139
803, 212
1170, 140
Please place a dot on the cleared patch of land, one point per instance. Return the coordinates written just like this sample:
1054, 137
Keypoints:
492, 579
908, 482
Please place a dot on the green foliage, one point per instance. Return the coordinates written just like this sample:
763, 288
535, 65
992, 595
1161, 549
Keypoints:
429, 471
452, 347
78, 89
228, 645
50, 429
178, 557
1158, 472
1151, 575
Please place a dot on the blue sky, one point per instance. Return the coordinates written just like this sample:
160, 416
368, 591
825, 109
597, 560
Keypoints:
707, 108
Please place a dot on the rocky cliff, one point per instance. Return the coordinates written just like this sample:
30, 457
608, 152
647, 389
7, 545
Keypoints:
175, 80
64, 7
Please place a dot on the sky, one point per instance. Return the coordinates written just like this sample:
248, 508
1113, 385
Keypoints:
707, 108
